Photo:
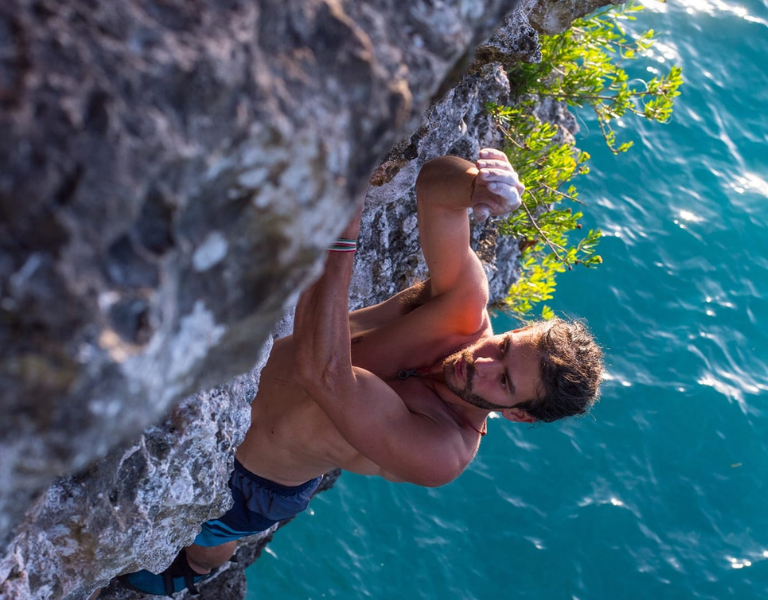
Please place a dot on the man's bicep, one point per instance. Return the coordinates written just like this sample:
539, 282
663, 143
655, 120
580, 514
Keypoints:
458, 300
410, 446
391, 309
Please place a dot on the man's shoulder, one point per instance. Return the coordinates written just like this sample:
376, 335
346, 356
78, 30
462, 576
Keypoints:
464, 306
449, 428
464, 314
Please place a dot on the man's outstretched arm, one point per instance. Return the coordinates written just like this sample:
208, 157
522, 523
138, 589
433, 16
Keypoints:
365, 410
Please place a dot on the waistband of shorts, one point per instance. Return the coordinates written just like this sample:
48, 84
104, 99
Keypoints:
283, 490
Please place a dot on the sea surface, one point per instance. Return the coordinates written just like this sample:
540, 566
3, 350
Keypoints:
662, 493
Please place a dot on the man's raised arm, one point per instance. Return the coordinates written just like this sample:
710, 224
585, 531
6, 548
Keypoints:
445, 189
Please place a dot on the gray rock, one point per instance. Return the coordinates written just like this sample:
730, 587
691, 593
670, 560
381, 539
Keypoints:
171, 172
137, 506
515, 41
256, 127
550, 17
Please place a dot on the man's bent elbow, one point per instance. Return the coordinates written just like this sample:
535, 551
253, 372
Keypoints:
435, 481
436, 476
443, 174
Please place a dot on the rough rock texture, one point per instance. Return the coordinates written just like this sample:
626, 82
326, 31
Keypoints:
226, 196
170, 171
133, 508
389, 256
229, 581
555, 16
515, 41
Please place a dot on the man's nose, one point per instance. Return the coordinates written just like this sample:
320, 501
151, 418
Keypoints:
484, 366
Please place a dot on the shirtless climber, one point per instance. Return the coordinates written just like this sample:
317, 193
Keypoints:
401, 389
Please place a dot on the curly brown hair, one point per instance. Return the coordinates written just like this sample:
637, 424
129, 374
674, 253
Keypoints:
571, 370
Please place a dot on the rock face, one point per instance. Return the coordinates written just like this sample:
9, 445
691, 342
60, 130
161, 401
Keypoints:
172, 171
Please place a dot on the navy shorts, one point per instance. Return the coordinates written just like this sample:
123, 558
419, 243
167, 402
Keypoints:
259, 504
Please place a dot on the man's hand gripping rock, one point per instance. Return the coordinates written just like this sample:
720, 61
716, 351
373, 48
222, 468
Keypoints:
496, 189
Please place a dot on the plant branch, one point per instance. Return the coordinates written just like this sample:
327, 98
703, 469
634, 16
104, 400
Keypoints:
509, 137
563, 194
545, 238
633, 46
632, 94
605, 132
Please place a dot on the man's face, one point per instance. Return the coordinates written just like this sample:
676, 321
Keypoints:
496, 373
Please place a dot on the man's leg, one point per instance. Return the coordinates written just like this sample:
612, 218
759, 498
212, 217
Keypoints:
203, 560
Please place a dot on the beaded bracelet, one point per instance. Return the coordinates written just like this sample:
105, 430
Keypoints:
343, 245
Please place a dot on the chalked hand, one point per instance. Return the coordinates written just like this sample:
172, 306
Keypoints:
497, 189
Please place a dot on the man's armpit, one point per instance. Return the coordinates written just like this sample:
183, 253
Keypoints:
415, 296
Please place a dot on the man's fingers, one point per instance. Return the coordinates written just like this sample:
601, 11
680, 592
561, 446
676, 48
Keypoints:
480, 212
492, 153
501, 180
493, 164
507, 175
509, 195
502, 176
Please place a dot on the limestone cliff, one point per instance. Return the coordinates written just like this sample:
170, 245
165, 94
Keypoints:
171, 173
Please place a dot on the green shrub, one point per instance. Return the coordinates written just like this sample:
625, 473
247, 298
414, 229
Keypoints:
581, 67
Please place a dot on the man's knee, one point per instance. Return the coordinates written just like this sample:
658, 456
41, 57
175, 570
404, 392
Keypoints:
203, 559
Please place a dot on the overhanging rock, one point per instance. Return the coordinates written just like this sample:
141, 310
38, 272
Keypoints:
170, 173
217, 230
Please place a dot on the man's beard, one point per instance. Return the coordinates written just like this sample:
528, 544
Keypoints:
465, 393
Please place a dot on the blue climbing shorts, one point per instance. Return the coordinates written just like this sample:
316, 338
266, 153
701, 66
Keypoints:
259, 504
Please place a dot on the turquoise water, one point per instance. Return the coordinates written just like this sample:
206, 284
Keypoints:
662, 493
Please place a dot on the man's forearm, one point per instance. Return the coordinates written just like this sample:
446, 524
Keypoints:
446, 182
321, 326
445, 188
490, 186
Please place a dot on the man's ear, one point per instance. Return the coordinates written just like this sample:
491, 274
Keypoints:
517, 415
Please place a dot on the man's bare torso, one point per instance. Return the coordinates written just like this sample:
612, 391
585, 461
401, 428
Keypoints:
292, 440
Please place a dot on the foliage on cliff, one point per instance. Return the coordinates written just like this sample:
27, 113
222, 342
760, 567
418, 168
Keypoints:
581, 67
